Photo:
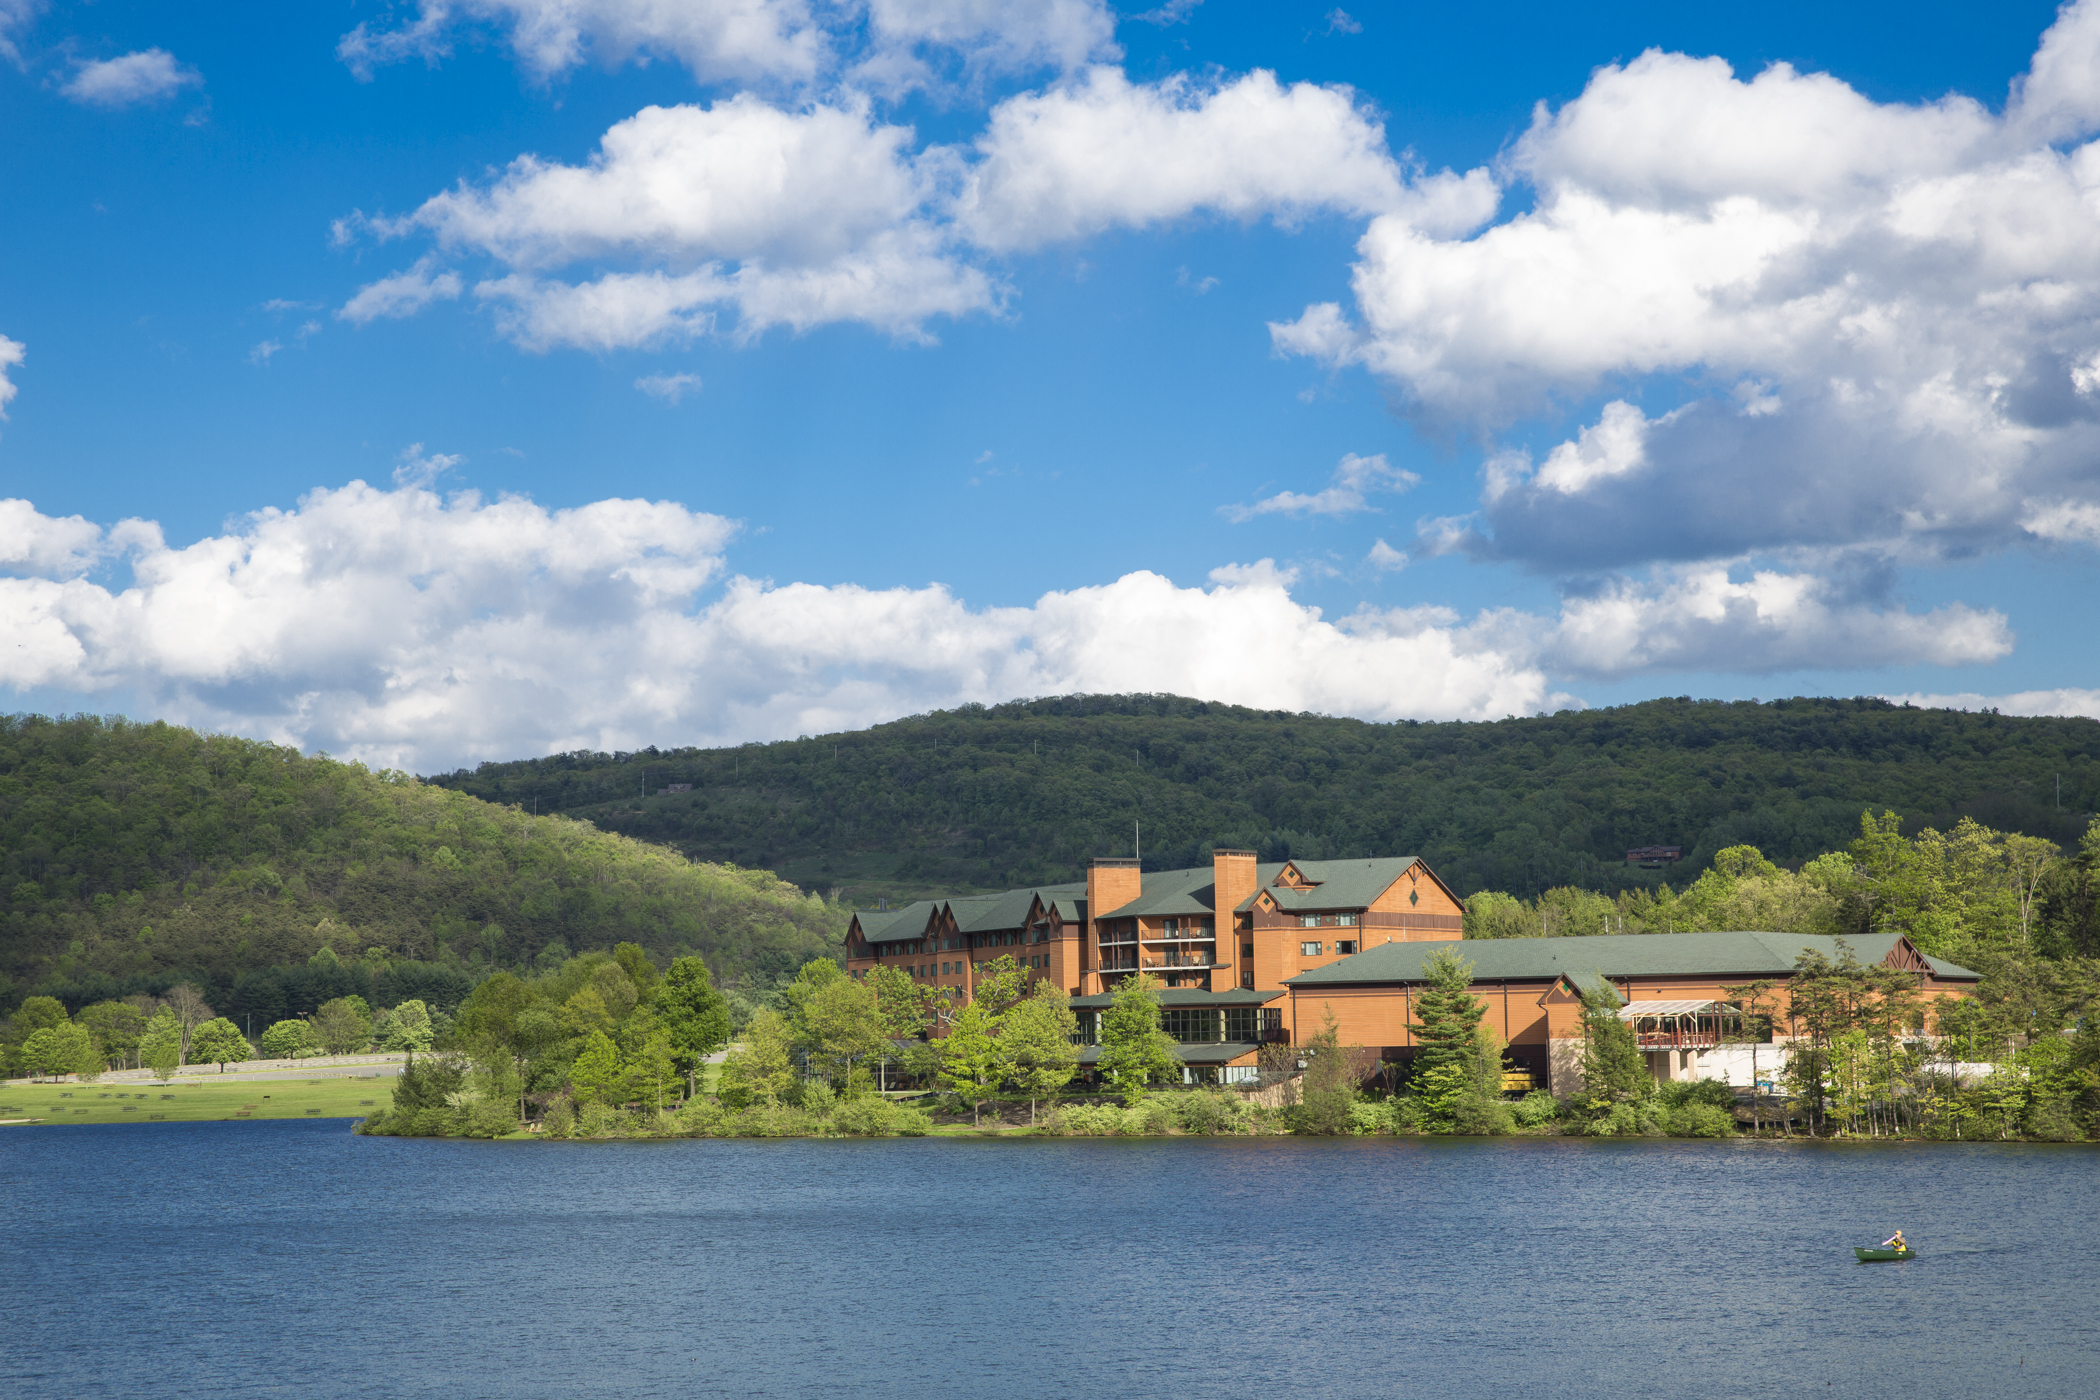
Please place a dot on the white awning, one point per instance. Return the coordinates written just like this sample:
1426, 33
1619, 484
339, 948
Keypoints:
1635, 1010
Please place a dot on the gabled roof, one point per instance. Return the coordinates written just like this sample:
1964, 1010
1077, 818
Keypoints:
973, 913
1168, 892
1341, 884
979, 913
897, 925
1745, 954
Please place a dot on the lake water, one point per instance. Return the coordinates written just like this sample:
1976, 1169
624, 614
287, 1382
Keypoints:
293, 1258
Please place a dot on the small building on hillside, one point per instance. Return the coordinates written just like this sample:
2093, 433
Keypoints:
1673, 988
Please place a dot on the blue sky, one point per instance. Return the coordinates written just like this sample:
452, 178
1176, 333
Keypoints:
729, 371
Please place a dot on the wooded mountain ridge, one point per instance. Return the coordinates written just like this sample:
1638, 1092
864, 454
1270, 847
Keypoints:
133, 856
988, 797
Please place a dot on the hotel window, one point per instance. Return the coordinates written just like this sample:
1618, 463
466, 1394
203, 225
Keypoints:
1242, 1023
1190, 1023
1247, 950
1308, 950
1346, 920
1308, 921
1345, 948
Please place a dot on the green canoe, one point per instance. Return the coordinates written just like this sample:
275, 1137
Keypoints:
1879, 1256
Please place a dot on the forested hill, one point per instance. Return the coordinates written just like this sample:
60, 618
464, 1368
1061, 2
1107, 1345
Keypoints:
133, 855
994, 797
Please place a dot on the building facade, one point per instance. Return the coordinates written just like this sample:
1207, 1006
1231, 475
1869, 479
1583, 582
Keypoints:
1222, 939
1250, 952
1679, 992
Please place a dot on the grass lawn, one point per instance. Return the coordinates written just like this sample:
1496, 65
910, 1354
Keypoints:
190, 1100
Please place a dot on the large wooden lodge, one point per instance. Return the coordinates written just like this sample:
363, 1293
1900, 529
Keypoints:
1249, 952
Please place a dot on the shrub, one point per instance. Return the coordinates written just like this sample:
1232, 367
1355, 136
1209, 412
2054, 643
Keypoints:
1152, 1117
599, 1120
1207, 1111
865, 1117
1087, 1120
1368, 1118
1536, 1109
1710, 1092
1702, 1120
559, 1118
1324, 1112
1619, 1120
910, 1122
489, 1118
1478, 1117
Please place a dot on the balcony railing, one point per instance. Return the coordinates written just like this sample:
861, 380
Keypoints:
1678, 1040
1125, 963
1182, 960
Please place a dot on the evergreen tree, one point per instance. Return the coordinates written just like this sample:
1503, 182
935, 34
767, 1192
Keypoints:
1450, 1015
1135, 1052
1613, 1070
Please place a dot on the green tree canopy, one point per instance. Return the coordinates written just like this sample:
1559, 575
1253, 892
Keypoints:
218, 1042
286, 1040
1135, 1052
695, 1017
343, 1026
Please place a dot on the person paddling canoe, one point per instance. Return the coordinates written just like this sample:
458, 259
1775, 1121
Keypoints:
1896, 1242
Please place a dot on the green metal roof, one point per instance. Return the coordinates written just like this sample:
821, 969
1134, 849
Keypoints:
1167, 892
1187, 996
897, 925
980, 913
1745, 954
1339, 884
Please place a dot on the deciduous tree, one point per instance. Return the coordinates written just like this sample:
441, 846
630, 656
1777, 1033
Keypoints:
1038, 1040
344, 1025
972, 1060
1135, 1052
598, 1076
219, 1042
694, 1016
286, 1040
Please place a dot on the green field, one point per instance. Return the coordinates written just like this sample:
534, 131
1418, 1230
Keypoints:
191, 1101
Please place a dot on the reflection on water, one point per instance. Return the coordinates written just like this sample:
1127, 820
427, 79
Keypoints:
292, 1257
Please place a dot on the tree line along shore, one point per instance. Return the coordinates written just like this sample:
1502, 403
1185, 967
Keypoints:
608, 1044
332, 910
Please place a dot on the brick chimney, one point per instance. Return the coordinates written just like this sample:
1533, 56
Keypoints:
1232, 880
1111, 883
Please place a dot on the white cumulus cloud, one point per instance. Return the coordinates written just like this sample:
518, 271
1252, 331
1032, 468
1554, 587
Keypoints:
1104, 152
412, 628
145, 76
1886, 315
742, 215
